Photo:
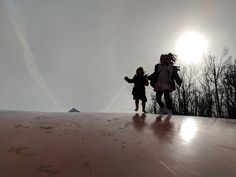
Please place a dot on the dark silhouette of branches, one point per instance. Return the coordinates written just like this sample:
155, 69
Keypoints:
153, 108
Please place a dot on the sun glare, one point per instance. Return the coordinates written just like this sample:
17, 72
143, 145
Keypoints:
190, 47
188, 130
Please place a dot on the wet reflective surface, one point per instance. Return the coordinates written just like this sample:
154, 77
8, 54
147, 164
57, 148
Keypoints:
115, 145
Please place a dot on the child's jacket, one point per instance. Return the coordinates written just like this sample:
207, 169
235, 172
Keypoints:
173, 76
139, 84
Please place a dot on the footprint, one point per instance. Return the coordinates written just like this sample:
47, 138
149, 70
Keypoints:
23, 151
47, 169
21, 126
17, 126
105, 132
87, 164
46, 127
40, 117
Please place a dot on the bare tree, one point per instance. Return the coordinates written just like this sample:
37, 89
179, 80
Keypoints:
206, 107
214, 70
152, 108
229, 85
186, 94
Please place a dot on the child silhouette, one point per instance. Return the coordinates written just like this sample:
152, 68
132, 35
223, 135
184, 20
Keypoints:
163, 81
140, 81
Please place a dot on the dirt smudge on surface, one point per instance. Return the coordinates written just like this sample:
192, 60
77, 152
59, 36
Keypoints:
47, 169
22, 151
21, 126
46, 127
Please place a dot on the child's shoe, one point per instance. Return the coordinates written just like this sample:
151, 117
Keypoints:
169, 113
162, 111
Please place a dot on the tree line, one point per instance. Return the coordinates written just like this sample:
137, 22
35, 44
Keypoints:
209, 90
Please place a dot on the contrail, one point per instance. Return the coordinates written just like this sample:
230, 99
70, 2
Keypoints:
29, 58
114, 98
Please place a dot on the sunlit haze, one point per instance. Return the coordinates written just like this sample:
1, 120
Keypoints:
190, 47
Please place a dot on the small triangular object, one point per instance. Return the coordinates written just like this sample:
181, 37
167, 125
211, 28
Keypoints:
73, 110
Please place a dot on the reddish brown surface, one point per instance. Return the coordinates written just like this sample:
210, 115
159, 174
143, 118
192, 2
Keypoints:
115, 145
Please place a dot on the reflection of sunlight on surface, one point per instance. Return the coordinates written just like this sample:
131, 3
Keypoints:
188, 130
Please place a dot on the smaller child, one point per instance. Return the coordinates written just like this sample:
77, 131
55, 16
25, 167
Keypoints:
140, 81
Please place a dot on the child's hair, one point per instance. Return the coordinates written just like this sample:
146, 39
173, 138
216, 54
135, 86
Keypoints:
171, 58
139, 71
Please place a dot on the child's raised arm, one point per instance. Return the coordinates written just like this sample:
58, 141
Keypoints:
177, 79
129, 80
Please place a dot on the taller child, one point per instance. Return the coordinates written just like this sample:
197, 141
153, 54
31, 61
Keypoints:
163, 80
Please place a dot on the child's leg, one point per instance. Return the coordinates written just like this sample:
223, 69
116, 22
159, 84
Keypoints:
160, 103
168, 102
168, 99
143, 106
136, 104
158, 99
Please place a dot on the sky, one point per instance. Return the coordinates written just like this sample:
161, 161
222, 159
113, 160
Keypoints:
60, 54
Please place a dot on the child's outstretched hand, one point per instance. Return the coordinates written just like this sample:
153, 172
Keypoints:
127, 79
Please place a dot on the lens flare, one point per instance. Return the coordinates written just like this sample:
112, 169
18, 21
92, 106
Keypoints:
190, 47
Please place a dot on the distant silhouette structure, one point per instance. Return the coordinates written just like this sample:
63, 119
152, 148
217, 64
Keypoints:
140, 81
163, 81
73, 110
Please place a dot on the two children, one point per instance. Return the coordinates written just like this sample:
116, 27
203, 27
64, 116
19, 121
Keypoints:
162, 80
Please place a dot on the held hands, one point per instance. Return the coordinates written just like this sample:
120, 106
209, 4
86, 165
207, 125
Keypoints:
146, 76
146, 80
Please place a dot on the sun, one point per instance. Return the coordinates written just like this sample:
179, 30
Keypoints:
190, 47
